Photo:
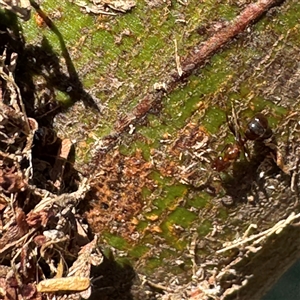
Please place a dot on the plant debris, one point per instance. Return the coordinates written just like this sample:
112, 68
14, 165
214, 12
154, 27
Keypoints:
187, 157
44, 246
21, 8
106, 7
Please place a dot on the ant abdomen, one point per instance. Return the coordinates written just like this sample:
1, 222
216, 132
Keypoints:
219, 164
231, 153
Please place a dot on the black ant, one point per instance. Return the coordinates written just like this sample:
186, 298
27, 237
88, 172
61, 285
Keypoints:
257, 130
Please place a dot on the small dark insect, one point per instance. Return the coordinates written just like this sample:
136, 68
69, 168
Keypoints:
257, 130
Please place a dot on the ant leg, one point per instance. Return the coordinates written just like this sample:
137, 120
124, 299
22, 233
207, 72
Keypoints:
237, 127
245, 151
234, 125
241, 141
231, 126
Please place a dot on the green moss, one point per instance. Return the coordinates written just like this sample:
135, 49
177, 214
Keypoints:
155, 175
204, 228
154, 129
170, 196
167, 253
123, 262
223, 214
146, 192
131, 149
132, 22
244, 90
289, 18
213, 119
142, 225
115, 241
199, 201
62, 97
153, 263
182, 217
138, 251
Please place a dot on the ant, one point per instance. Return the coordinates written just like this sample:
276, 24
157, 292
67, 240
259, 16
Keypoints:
257, 130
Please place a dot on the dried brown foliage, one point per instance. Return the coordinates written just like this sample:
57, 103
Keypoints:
40, 236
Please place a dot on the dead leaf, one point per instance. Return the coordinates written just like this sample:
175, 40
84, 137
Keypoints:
69, 284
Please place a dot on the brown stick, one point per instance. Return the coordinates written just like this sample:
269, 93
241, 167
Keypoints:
202, 52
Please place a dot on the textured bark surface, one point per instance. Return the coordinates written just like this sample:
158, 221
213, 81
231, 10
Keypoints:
266, 267
146, 137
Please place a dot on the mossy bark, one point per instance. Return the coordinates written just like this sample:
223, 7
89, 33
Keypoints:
147, 151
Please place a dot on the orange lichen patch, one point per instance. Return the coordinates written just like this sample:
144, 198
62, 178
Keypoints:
152, 217
155, 229
134, 221
117, 188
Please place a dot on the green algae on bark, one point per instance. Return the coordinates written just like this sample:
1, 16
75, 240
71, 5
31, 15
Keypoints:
118, 59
